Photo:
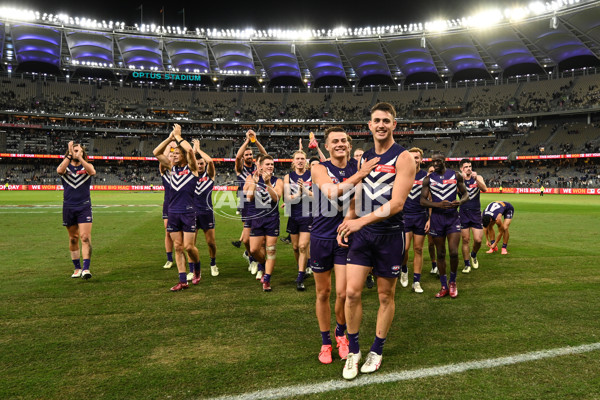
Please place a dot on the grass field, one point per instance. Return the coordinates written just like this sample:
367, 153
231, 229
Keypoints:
123, 335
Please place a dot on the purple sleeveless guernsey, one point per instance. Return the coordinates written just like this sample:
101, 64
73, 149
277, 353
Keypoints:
443, 187
413, 201
203, 194
76, 183
265, 207
377, 190
353, 163
328, 214
248, 206
499, 207
474, 202
183, 184
299, 204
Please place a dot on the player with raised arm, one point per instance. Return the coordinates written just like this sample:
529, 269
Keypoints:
265, 191
244, 167
75, 172
492, 215
182, 216
297, 192
376, 224
313, 144
470, 215
443, 186
205, 217
165, 174
333, 185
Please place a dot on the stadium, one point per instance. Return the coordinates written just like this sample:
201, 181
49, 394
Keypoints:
515, 91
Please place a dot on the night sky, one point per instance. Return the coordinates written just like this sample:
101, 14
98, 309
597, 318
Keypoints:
265, 14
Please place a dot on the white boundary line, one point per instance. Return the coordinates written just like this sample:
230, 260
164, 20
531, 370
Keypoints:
364, 380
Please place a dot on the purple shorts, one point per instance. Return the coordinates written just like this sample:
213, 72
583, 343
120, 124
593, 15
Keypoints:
470, 219
509, 211
384, 253
264, 227
415, 223
297, 225
444, 224
77, 215
165, 210
325, 253
182, 222
205, 221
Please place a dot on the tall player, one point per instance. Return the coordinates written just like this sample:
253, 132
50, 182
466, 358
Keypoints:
470, 215
165, 174
265, 190
182, 217
416, 223
297, 194
244, 167
430, 244
493, 215
333, 185
75, 172
358, 153
443, 186
378, 235
205, 217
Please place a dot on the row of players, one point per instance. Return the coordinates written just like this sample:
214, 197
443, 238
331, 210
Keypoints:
357, 221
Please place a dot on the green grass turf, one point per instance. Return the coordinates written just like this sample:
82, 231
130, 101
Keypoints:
123, 335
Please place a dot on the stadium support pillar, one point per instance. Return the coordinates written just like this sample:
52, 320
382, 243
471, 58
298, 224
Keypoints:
535, 121
589, 119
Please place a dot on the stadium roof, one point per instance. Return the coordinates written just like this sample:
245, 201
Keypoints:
564, 39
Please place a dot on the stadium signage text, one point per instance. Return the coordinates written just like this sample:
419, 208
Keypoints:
228, 188
166, 76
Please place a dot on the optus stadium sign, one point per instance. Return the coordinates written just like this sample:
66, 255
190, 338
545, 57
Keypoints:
165, 76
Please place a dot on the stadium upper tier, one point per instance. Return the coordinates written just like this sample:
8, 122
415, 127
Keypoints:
46, 95
561, 36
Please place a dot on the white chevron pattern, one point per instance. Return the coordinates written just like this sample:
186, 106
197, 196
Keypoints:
75, 180
179, 181
377, 184
472, 192
443, 190
415, 191
203, 186
294, 187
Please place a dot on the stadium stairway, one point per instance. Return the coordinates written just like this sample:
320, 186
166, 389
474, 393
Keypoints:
451, 152
498, 147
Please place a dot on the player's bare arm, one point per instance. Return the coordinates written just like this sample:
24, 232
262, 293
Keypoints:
274, 191
331, 190
480, 182
62, 167
462, 189
403, 182
250, 185
426, 197
210, 164
159, 151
